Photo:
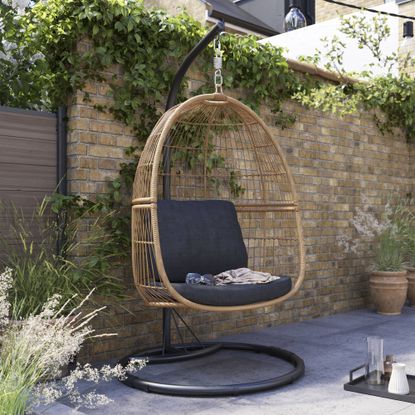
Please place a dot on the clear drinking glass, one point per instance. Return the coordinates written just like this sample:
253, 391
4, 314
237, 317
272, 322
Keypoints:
374, 368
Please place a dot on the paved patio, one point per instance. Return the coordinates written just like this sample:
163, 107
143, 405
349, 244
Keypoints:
330, 347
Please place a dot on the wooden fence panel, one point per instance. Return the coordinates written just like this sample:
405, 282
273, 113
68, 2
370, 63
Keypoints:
28, 161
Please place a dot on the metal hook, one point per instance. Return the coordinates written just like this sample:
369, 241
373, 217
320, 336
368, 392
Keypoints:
217, 63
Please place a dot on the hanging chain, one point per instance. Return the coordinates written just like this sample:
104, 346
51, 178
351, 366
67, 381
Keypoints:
217, 63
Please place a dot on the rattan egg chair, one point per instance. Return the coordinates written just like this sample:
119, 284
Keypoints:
217, 149
213, 192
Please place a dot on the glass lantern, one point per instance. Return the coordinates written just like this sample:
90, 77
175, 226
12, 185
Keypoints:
295, 18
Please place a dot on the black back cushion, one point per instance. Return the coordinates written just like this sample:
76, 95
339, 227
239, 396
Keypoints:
199, 236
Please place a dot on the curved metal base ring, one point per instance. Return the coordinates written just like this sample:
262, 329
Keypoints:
186, 352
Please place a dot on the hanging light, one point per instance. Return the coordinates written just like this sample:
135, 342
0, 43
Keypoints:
408, 34
295, 18
408, 29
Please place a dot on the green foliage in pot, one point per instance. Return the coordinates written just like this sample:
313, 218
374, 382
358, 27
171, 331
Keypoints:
404, 221
389, 252
409, 241
410, 252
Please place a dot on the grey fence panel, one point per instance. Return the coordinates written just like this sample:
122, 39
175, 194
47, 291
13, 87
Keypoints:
28, 161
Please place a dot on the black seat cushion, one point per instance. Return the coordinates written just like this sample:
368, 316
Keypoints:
234, 294
199, 236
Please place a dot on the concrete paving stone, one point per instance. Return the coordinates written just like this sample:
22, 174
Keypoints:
60, 409
311, 405
330, 347
129, 401
409, 410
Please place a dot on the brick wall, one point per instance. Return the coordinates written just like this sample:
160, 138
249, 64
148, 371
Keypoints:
334, 162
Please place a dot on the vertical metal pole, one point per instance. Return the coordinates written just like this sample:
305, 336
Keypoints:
61, 151
61, 168
166, 330
174, 90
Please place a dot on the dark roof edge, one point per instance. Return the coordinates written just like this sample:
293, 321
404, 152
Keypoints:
244, 24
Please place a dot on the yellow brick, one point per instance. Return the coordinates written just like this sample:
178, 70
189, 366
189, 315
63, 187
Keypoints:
106, 127
87, 137
88, 162
87, 112
79, 124
105, 151
108, 140
101, 175
77, 149
77, 174
108, 164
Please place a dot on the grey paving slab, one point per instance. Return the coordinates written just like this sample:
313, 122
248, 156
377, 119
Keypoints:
58, 408
330, 347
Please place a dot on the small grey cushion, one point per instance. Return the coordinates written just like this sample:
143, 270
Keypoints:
234, 294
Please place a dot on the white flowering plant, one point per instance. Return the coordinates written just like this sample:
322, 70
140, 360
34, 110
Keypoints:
34, 350
385, 230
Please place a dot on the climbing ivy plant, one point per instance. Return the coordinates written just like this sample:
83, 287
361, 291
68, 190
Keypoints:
51, 49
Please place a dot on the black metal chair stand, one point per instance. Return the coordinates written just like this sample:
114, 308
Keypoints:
168, 353
151, 268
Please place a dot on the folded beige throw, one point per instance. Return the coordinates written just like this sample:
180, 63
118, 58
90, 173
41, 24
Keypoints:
244, 276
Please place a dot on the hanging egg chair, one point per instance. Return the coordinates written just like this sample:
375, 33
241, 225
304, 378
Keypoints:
213, 192
231, 203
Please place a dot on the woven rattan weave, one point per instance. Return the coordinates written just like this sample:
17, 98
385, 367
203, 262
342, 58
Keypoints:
214, 147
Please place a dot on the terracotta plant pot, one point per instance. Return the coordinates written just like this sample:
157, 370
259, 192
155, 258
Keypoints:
388, 291
411, 285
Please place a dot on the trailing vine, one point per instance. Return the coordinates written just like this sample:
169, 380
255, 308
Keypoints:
42, 65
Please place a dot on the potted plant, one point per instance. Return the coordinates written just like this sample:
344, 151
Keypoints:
388, 282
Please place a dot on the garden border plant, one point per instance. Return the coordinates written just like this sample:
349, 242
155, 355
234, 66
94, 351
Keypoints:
34, 350
40, 270
390, 232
